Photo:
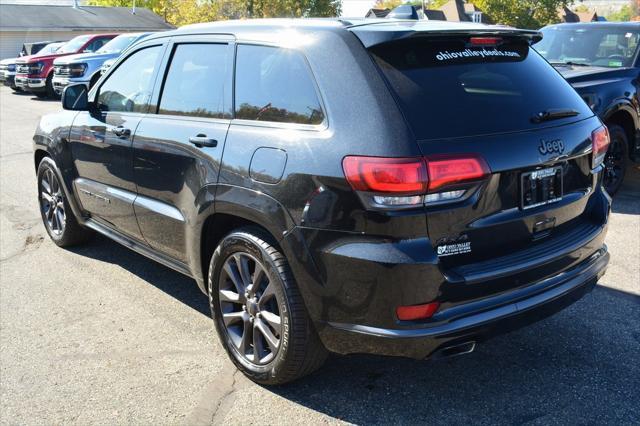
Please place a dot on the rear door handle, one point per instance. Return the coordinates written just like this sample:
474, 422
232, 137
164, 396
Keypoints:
201, 140
121, 131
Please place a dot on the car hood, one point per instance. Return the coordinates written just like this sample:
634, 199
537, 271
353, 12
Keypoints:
8, 61
583, 76
85, 57
34, 58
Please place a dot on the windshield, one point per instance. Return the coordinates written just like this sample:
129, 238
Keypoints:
118, 44
450, 88
604, 47
74, 44
50, 48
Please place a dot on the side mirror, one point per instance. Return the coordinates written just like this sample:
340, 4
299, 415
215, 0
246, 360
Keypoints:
74, 97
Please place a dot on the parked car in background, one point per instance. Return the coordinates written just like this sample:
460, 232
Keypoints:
36, 47
84, 68
8, 66
106, 65
466, 201
35, 73
601, 60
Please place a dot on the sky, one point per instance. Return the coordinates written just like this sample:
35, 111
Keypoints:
356, 8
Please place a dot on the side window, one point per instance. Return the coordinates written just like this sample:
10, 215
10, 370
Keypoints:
195, 82
275, 84
128, 88
96, 44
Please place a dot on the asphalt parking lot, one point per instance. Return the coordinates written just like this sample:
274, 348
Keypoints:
99, 334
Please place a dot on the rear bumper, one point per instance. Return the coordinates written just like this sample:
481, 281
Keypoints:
468, 323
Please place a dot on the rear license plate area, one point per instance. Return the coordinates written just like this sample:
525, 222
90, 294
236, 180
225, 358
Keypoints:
540, 187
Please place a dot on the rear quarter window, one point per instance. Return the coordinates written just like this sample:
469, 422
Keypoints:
448, 88
275, 84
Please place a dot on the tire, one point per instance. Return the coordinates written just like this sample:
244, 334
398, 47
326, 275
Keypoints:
50, 92
615, 161
272, 292
59, 221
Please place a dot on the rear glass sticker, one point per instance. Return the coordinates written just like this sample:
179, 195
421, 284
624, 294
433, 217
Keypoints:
455, 248
468, 53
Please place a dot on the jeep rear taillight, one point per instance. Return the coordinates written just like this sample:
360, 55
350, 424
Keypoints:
599, 143
407, 182
450, 170
386, 175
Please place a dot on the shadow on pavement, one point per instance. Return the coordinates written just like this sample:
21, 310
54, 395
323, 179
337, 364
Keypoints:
627, 200
579, 366
172, 283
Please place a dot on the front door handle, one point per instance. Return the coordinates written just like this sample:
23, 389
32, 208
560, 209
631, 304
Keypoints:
201, 140
121, 132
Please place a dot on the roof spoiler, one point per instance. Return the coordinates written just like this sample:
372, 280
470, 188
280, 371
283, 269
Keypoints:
373, 35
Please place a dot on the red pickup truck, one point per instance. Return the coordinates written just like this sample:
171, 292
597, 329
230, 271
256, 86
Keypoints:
34, 73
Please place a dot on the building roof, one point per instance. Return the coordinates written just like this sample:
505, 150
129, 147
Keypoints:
434, 15
377, 13
23, 17
568, 15
458, 11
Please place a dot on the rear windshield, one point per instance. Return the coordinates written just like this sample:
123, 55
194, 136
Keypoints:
451, 88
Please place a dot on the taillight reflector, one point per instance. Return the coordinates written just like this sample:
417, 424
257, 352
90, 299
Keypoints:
387, 175
450, 170
417, 312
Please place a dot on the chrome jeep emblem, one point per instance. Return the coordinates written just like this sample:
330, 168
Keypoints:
549, 147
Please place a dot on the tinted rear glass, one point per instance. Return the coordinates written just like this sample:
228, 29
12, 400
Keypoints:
449, 88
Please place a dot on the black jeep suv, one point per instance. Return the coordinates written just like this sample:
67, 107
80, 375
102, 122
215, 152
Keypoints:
399, 187
601, 60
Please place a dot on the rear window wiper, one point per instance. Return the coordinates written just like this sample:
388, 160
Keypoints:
553, 114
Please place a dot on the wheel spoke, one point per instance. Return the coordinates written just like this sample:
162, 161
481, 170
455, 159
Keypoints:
60, 217
47, 197
247, 335
268, 293
54, 220
258, 347
273, 320
49, 213
242, 262
258, 277
234, 317
272, 341
229, 296
232, 272
45, 184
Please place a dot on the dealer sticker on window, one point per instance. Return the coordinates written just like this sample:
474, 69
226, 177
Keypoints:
455, 248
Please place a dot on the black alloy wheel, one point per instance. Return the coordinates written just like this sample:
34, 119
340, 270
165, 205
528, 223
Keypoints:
258, 310
249, 306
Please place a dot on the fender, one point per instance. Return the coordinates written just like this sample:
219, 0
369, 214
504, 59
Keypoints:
54, 146
621, 104
236, 201
263, 210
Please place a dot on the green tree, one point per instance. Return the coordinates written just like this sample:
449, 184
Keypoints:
182, 12
387, 4
624, 14
532, 14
